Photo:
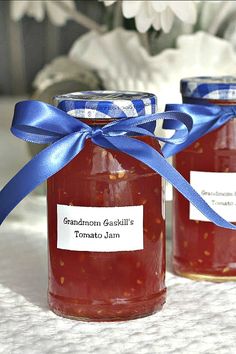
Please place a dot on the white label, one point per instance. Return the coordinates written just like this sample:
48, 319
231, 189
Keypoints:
218, 189
100, 229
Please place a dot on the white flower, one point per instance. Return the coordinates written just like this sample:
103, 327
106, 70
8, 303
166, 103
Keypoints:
37, 9
124, 64
159, 14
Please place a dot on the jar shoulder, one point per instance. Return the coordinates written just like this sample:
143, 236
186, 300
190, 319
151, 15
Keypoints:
94, 161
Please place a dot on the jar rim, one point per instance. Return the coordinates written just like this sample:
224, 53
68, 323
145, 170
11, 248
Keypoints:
107, 104
209, 87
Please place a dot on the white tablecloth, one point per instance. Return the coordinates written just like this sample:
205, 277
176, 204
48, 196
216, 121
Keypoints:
198, 317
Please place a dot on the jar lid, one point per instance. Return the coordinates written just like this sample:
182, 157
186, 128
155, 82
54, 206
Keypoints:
211, 87
107, 104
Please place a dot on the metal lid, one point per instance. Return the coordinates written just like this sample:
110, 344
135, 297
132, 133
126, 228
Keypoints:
209, 87
107, 104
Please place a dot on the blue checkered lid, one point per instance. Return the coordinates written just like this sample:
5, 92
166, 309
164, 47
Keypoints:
209, 87
107, 104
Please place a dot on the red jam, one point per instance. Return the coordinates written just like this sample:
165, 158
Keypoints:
202, 250
107, 286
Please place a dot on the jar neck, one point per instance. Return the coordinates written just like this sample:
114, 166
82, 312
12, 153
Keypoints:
99, 122
150, 126
197, 101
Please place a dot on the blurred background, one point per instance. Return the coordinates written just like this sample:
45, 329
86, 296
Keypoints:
114, 38
28, 42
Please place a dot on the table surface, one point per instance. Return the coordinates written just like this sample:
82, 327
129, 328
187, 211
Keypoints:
198, 317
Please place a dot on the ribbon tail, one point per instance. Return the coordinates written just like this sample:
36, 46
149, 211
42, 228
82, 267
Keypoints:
150, 157
40, 168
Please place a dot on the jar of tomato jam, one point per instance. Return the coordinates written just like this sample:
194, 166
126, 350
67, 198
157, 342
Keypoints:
202, 250
105, 226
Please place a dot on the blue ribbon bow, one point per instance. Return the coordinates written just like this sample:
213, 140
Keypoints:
41, 123
206, 118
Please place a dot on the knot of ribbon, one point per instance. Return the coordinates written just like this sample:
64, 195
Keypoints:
95, 132
42, 123
206, 118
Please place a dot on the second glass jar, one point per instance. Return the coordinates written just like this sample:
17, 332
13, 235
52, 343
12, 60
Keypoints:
201, 250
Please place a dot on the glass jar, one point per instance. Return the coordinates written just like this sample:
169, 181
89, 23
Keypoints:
106, 232
202, 250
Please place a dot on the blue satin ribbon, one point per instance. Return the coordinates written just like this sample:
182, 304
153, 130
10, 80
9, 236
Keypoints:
41, 123
206, 118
